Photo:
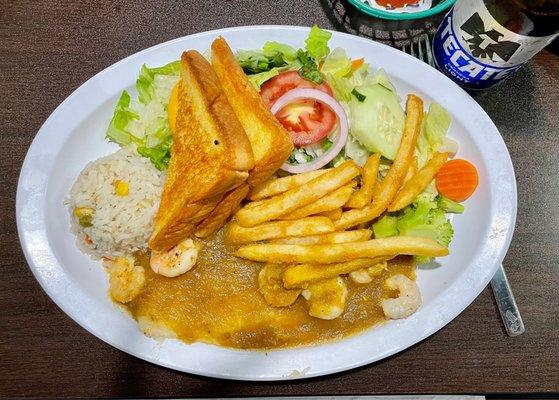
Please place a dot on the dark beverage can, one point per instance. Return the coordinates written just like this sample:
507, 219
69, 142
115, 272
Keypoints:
481, 42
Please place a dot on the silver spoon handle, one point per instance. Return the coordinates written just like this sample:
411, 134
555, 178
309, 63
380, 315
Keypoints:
506, 303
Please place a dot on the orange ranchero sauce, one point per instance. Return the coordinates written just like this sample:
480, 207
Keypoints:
218, 302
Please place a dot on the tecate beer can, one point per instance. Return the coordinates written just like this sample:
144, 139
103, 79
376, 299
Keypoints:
476, 51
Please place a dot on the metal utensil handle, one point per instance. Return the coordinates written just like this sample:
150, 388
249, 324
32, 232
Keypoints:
506, 303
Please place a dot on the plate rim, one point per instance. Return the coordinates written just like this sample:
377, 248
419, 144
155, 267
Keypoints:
512, 214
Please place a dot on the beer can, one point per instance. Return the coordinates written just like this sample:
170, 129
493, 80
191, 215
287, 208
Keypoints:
476, 51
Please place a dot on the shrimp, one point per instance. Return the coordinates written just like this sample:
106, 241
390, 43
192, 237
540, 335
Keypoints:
176, 261
365, 275
407, 302
271, 287
326, 298
126, 280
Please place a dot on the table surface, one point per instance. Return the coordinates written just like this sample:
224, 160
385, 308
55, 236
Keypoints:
49, 48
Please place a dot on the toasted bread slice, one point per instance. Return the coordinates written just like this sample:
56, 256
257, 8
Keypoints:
270, 142
211, 154
190, 217
226, 207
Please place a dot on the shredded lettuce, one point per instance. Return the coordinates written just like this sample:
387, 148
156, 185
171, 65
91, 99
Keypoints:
273, 56
147, 87
122, 116
430, 191
159, 155
433, 133
288, 53
449, 146
143, 122
360, 75
381, 77
273, 59
337, 63
300, 155
254, 62
317, 43
309, 69
437, 122
259, 79
341, 87
337, 161
355, 151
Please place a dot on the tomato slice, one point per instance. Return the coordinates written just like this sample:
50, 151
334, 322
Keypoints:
307, 121
278, 85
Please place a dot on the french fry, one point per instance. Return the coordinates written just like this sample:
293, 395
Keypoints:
418, 182
277, 229
257, 203
357, 216
334, 237
253, 204
391, 183
332, 214
340, 252
412, 170
388, 187
273, 187
364, 195
331, 201
298, 276
298, 197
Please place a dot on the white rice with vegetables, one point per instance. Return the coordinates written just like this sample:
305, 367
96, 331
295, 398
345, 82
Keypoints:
113, 204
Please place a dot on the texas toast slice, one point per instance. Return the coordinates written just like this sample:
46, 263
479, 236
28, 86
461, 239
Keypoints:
219, 215
211, 154
270, 142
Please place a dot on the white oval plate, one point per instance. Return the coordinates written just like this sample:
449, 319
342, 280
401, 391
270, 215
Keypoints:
74, 135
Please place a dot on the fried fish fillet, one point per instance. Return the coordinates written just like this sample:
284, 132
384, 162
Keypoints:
270, 142
210, 156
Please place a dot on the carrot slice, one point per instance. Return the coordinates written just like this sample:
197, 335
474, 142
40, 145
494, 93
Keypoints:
457, 179
357, 63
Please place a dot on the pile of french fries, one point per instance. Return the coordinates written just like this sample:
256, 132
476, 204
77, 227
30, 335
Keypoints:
314, 226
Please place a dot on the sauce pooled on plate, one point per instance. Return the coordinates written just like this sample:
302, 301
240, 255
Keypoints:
219, 302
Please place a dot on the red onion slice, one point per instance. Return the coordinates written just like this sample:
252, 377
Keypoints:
340, 136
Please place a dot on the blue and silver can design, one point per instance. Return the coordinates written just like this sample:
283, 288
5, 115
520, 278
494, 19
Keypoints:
474, 50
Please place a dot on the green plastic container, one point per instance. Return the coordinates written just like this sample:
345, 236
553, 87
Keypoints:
397, 30
442, 6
